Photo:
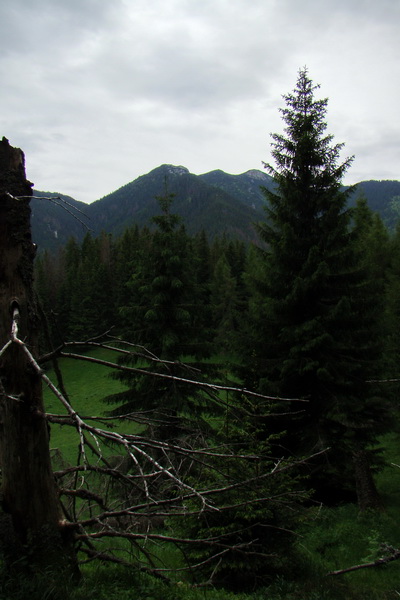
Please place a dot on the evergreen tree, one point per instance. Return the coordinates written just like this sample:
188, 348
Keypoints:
49, 285
163, 292
313, 320
373, 245
201, 258
393, 304
126, 253
161, 315
68, 265
372, 238
224, 304
91, 292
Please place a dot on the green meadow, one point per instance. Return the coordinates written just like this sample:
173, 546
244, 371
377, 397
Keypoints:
86, 384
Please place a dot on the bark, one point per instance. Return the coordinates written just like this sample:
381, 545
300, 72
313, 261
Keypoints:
367, 494
31, 526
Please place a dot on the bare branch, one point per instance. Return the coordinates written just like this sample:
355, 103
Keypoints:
106, 557
197, 383
152, 462
394, 555
58, 201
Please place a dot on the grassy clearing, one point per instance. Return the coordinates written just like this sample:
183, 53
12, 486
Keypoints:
86, 384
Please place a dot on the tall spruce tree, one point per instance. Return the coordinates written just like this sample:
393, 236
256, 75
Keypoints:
313, 318
161, 314
393, 304
91, 297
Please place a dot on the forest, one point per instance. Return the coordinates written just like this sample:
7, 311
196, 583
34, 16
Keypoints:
252, 393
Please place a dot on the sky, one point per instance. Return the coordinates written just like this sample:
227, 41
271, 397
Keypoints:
99, 92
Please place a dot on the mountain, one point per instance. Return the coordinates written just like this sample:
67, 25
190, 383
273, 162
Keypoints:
245, 187
216, 202
199, 203
55, 218
383, 197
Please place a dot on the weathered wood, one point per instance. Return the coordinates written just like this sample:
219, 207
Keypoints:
29, 498
367, 494
394, 554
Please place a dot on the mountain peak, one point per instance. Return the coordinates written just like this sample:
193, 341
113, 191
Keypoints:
256, 174
176, 170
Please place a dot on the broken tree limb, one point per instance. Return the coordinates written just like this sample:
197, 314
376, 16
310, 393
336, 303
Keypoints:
384, 560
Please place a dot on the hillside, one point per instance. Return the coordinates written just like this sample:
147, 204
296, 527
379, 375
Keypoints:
199, 204
245, 187
56, 218
217, 202
383, 197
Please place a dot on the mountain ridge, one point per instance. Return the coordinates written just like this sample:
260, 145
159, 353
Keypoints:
218, 202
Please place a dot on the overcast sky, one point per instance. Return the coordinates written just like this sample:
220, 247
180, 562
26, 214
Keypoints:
98, 92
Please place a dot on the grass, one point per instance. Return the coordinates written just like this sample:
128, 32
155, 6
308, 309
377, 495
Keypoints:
86, 384
388, 480
118, 584
340, 537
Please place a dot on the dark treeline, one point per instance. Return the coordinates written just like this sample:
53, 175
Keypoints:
87, 288
100, 284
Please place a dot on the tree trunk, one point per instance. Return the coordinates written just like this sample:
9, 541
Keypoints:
31, 530
367, 494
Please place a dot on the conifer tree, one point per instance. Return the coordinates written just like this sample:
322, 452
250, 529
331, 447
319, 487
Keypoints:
201, 255
68, 265
161, 314
163, 290
125, 256
393, 304
313, 320
91, 294
224, 303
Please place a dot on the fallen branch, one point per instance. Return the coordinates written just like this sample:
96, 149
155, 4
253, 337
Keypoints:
395, 555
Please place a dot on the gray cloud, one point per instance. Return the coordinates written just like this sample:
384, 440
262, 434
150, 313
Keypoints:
97, 93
